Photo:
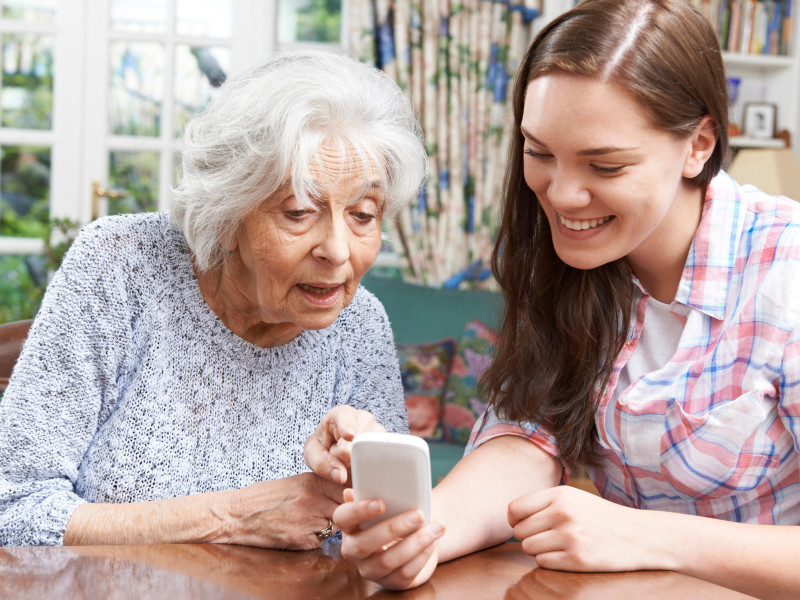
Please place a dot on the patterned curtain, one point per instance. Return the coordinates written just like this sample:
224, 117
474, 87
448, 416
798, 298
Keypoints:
456, 60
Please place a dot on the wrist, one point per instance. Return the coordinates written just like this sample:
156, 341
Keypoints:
665, 535
218, 523
243, 516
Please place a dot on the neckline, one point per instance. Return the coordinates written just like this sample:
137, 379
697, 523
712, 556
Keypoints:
214, 332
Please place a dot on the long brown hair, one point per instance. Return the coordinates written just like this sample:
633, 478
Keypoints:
564, 327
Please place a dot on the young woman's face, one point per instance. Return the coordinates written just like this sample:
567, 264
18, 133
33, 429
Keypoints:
610, 183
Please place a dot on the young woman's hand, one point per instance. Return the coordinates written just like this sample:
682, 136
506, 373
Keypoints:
569, 529
398, 553
327, 450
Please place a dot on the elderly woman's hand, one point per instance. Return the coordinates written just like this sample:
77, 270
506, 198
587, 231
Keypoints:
327, 450
285, 513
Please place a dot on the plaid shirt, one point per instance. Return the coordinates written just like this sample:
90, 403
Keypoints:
716, 430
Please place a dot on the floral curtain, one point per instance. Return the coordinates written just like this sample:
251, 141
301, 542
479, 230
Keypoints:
456, 60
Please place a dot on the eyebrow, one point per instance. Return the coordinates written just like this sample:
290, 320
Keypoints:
363, 189
588, 152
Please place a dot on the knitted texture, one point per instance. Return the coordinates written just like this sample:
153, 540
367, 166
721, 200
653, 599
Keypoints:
129, 388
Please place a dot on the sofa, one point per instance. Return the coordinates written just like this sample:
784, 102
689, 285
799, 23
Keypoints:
445, 340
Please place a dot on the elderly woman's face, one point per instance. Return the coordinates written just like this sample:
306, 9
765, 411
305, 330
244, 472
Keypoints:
303, 265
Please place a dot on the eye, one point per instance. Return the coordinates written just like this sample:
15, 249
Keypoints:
363, 217
608, 170
297, 213
365, 211
538, 155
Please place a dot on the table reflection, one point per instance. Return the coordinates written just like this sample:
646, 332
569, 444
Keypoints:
175, 571
217, 571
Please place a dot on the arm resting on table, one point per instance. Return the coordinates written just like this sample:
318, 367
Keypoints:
472, 501
284, 513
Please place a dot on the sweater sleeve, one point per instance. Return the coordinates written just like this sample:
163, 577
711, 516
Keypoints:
65, 377
376, 372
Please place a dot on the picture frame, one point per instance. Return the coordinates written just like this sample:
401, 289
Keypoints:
760, 119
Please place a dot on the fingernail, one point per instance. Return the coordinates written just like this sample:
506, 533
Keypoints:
374, 507
414, 519
436, 529
336, 475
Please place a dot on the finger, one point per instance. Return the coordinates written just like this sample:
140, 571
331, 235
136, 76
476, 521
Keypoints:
319, 459
341, 451
541, 543
557, 560
411, 570
326, 522
380, 536
365, 422
525, 506
350, 515
332, 491
408, 556
327, 450
345, 422
342, 422
535, 524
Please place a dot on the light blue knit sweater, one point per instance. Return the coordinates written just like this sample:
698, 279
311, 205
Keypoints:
129, 388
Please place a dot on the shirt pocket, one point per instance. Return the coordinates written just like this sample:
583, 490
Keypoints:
727, 449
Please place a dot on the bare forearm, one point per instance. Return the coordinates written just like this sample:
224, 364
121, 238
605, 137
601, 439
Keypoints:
283, 513
200, 518
472, 501
760, 560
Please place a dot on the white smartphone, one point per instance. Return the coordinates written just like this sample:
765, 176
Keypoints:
395, 468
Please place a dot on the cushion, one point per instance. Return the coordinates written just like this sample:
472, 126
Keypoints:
424, 369
463, 404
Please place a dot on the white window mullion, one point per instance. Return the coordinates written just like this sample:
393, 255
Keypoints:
68, 89
15, 245
255, 24
95, 111
167, 113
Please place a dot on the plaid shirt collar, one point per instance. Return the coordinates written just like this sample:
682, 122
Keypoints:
710, 265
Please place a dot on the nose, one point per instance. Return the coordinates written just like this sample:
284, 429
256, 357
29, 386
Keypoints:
334, 243
567, 191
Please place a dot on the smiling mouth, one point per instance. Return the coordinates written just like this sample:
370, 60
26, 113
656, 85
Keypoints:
583, 224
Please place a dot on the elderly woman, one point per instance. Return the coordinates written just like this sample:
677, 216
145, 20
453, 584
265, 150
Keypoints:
180, 361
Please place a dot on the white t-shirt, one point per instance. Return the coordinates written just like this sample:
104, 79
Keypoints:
663, 326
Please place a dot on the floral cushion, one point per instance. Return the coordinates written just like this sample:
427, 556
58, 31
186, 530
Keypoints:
424, 369
463, 404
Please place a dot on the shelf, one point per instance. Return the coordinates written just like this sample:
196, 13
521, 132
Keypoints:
741, 141
761, 61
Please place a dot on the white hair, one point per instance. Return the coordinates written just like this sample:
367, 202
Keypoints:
266, 126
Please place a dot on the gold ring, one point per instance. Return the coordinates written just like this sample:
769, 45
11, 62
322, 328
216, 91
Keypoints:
327, 532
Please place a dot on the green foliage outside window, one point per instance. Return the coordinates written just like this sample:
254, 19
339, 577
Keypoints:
320, 21
23, 279
20, 296
37, 108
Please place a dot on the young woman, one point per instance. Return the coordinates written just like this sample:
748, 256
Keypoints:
652, 329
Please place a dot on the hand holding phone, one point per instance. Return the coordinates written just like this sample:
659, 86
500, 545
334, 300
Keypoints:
395, 468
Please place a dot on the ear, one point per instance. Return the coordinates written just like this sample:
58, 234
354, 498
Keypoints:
703, 141
230, 241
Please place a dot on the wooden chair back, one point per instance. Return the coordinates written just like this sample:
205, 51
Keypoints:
12, 336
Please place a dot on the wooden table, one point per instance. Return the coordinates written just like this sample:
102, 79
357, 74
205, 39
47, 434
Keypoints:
209, 571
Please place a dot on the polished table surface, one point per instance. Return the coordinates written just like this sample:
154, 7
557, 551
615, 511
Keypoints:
201, 571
